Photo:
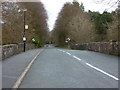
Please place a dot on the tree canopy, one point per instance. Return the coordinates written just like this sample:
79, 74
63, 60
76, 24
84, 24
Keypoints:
13, 16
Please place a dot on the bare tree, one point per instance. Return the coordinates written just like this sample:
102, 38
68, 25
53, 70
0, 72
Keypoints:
13, 27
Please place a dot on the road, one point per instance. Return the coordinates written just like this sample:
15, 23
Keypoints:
63, 68
13, 67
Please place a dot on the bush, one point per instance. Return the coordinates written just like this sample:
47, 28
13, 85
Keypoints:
37, 41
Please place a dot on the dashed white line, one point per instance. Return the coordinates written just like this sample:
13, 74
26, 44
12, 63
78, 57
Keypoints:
59, 50
115, 78
77, 58
102, 71
68, 53
63, 51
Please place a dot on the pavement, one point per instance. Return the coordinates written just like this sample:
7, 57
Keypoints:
13, 67
63, 68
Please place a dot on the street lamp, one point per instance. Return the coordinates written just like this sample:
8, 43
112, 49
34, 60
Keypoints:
25, 27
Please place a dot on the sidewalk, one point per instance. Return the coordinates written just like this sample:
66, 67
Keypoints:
13, 67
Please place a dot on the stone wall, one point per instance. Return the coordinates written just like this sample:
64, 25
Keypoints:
12, 49
103, 47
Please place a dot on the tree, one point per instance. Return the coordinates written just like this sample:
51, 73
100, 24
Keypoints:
82, 6
74, 23
83, 27
36, 18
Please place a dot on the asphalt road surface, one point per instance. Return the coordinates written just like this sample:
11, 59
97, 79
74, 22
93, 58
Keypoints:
63, 68
13, 67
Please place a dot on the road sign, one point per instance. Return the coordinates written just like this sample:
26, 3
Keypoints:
33, 40
66, 41
26, 27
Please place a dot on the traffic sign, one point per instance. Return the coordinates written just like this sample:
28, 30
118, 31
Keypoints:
26, 27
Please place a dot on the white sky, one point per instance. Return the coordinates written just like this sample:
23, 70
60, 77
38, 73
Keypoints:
53, 7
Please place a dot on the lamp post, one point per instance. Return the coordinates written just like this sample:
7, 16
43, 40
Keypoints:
25, 28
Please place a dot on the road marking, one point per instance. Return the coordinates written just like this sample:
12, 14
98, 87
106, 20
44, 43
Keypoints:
77, 58
102, 71
63, 51
68, 53
20, 79
59, 50
71, 55
93, 67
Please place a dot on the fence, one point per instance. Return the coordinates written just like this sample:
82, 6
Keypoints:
12, 49
103, 47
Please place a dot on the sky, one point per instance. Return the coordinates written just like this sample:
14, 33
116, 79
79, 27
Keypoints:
53, 7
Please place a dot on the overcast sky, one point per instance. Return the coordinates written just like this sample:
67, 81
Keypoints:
53, 7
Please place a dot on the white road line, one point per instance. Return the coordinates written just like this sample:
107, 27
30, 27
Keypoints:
59, 50
68, 53
20, 79
93, 67
102, 71
77, 58
63, 51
